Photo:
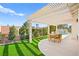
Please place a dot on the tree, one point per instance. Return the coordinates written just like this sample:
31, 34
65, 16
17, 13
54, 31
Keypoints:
0, 36
45, 30
36, 31
12, 33
52, 28
23, 31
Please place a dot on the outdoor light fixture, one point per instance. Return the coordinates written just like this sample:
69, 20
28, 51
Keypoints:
77, 20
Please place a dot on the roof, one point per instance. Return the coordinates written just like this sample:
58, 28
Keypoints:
56, 13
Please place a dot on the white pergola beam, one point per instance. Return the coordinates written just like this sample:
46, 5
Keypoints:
53, 14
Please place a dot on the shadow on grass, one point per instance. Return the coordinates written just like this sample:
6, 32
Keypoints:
34, 45
35, 41
31, 49
5, 51
20, 53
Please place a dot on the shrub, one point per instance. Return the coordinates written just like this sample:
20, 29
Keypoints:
0, 36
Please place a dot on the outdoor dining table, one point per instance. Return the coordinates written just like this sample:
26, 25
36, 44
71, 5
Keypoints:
55, 37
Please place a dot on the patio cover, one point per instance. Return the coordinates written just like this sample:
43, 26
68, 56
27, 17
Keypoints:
56, 13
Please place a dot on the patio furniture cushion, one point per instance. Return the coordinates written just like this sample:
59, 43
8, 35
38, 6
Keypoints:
56, 37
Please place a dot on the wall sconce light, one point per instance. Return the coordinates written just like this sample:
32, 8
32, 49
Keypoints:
77, 20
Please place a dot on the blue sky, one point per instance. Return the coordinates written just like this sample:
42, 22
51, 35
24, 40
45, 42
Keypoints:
16, 13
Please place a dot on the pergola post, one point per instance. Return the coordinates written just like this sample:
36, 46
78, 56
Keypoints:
74, 30
48, 29
78, 23
48, 32
56, 29
30, 31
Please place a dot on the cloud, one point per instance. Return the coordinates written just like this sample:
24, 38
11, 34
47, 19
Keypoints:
9, 11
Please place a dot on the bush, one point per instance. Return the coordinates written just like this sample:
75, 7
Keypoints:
0, 36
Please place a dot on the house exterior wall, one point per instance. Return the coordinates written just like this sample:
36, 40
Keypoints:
0, 28
5, 30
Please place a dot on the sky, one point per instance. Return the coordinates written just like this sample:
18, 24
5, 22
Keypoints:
17, 13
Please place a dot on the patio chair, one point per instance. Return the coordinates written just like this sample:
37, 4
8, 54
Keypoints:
55, 37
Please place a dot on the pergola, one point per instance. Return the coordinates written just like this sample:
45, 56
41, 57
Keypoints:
54, 14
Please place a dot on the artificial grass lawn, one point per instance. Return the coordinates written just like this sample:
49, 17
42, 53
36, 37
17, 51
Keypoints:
12, 50
1, 50
25, 50
21, 48
5, 50
32, 48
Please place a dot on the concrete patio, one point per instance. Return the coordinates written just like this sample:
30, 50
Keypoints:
67, 47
